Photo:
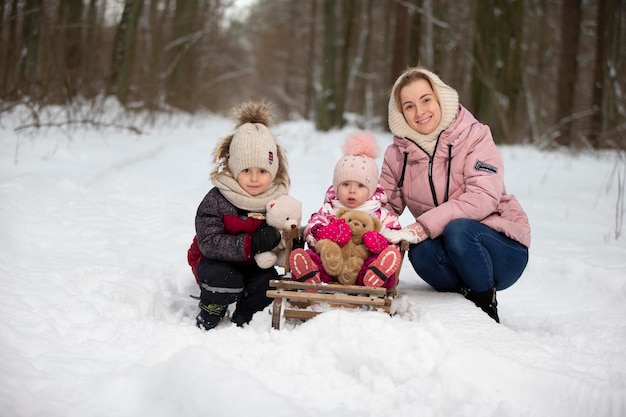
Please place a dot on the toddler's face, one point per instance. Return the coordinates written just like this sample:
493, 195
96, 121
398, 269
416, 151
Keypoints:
352, 194
254, 180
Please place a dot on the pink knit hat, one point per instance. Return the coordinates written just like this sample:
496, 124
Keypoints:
358, 162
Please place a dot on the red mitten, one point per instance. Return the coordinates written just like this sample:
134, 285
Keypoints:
374, 241
338, 231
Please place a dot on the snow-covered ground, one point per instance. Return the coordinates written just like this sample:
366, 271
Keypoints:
97, 318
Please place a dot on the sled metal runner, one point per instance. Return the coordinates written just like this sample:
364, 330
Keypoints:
302, 301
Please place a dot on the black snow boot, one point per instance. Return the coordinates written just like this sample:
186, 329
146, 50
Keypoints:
210, 315
241, 316
486, 300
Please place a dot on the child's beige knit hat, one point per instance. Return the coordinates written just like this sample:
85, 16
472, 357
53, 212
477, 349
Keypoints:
252, 146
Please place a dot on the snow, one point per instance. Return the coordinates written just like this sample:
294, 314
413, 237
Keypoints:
97, 318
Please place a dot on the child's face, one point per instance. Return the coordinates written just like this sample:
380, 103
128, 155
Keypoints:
254, 180
352, 194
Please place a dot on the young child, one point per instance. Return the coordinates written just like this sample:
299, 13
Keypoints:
355, 186
251, 169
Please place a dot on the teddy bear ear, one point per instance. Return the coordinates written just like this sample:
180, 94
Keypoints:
342, 211
377, 224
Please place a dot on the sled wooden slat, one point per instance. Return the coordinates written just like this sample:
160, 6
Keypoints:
296, 300
301, 314
327, 298
331, 287
292, 299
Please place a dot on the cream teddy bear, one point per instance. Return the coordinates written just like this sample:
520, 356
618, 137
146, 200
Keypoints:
283, 213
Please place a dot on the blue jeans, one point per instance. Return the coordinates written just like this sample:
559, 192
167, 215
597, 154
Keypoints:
469, 254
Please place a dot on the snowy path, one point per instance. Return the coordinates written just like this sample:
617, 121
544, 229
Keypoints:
97, 319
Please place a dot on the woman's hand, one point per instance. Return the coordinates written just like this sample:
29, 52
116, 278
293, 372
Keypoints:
413, 233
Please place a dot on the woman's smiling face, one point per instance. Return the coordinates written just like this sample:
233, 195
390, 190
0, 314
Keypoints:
420, 107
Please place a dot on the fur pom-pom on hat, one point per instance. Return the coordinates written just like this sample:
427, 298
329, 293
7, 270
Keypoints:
358, 162
361, 143
253, 112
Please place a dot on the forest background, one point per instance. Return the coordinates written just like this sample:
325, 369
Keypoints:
542, 72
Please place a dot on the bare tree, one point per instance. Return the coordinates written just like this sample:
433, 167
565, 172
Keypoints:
400, 41
345, 58
9, 50
326, 106
181, 73
415, 38
496, 82
568, 69
123, 48
608, 87
309, 94
29, 78
91, 79
71, 23
327, 59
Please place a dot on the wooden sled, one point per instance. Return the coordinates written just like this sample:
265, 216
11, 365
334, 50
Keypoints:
302, 301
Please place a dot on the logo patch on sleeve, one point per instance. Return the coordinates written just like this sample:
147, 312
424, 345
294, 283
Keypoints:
481, 166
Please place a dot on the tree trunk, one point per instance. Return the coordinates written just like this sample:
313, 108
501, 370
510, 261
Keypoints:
497, 81
157, 18
123, 48
608, 128
568, 68
345, 60
326, 108
415, 39
367, 108
400, 42
29, 79
70, 23
310, 59
180, 90
359, 72
90, 74
9, 90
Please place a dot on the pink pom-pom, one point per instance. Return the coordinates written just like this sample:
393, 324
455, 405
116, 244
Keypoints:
361, 143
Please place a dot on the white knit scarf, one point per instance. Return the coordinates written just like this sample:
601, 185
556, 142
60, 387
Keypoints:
237, 196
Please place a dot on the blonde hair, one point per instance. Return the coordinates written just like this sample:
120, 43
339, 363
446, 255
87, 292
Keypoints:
409, 76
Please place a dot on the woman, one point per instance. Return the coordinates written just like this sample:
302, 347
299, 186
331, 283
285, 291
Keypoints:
469, 235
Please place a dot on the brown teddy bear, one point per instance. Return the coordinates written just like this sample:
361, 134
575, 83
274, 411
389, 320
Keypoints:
345, 262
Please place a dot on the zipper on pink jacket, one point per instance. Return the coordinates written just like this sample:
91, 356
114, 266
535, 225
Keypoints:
430, 175
430, 170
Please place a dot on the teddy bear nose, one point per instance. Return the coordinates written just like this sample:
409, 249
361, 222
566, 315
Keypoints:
293, 226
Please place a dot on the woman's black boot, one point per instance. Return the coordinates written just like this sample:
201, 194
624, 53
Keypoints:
486, 300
